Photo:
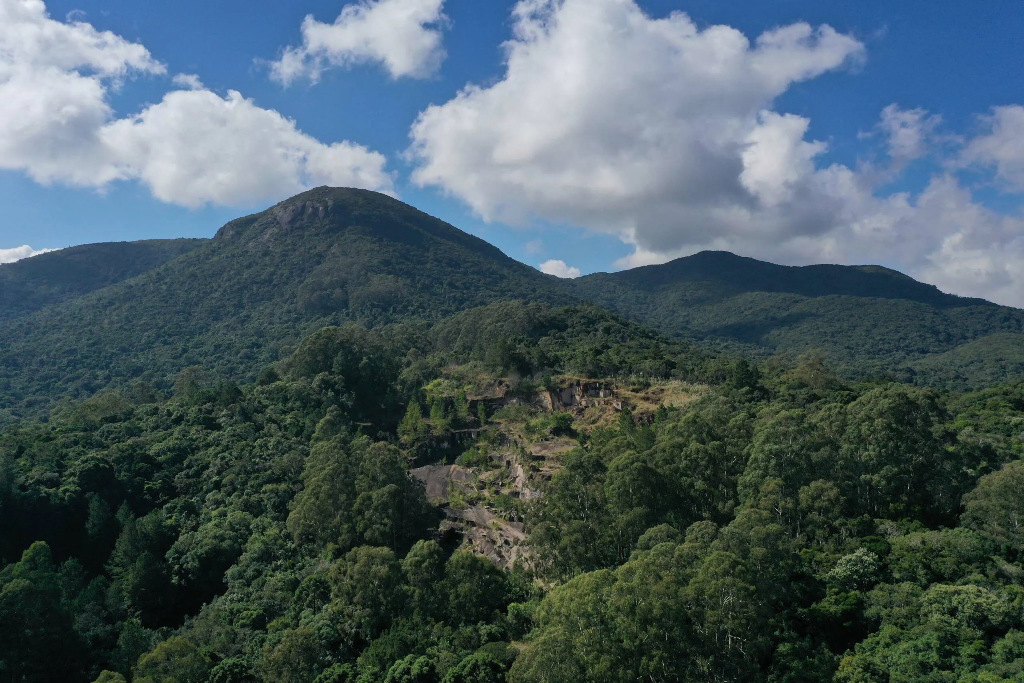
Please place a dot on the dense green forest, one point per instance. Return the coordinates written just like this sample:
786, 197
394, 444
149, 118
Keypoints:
777, 523
247, 297
867, 320
54, 277
79, 320
335, 445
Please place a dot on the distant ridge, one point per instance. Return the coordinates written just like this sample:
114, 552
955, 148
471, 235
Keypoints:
730, 272
33, 283
867, 320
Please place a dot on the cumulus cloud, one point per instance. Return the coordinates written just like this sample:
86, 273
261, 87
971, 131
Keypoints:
18, 253
979, 252
1001, 145
908, 132
559, 269
195, 147
191, 148
54, 79
614, 120
402, 35
665, 134
188, 81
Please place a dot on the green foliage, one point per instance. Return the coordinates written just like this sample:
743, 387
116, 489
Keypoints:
424, 568
537, 340
244, 299
561, 424
411, 669
176, 660
110, 677
413, 431
37, 638
486, 665
357, 492
801, 531
473, 457
995, 507
31, 284
475, 589
788, 525
232, 670
867, 320
297, 656
338, 673
353, 366
369, 581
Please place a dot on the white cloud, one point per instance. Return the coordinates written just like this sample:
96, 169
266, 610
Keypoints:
908, 132
195, 147
776, 159
535, 247
187, 81
664, 134
1001, 146
402, 35
947, 238
18, 253
610, 119
191, 148
54, 79
559, 269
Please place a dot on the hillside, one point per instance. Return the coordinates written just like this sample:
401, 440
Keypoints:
518, 491
866, 319
34, 283
990, 360
240, 300
85, 318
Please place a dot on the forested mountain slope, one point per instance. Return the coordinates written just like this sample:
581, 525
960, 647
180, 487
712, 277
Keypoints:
90, 317
679, 514
866, 319
239, 300
34, 283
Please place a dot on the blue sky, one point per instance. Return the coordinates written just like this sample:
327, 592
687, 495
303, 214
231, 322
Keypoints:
788, 153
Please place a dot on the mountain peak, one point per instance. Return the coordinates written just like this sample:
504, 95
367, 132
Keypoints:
310, 209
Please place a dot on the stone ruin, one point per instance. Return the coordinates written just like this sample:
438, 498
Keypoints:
581, 394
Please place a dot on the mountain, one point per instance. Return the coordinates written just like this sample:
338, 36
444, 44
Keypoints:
600, 502
75, 321
34, 283
236, 302
865, 319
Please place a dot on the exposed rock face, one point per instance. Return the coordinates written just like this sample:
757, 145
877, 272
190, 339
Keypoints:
520, 474
579, 395
439, 479
490, 535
